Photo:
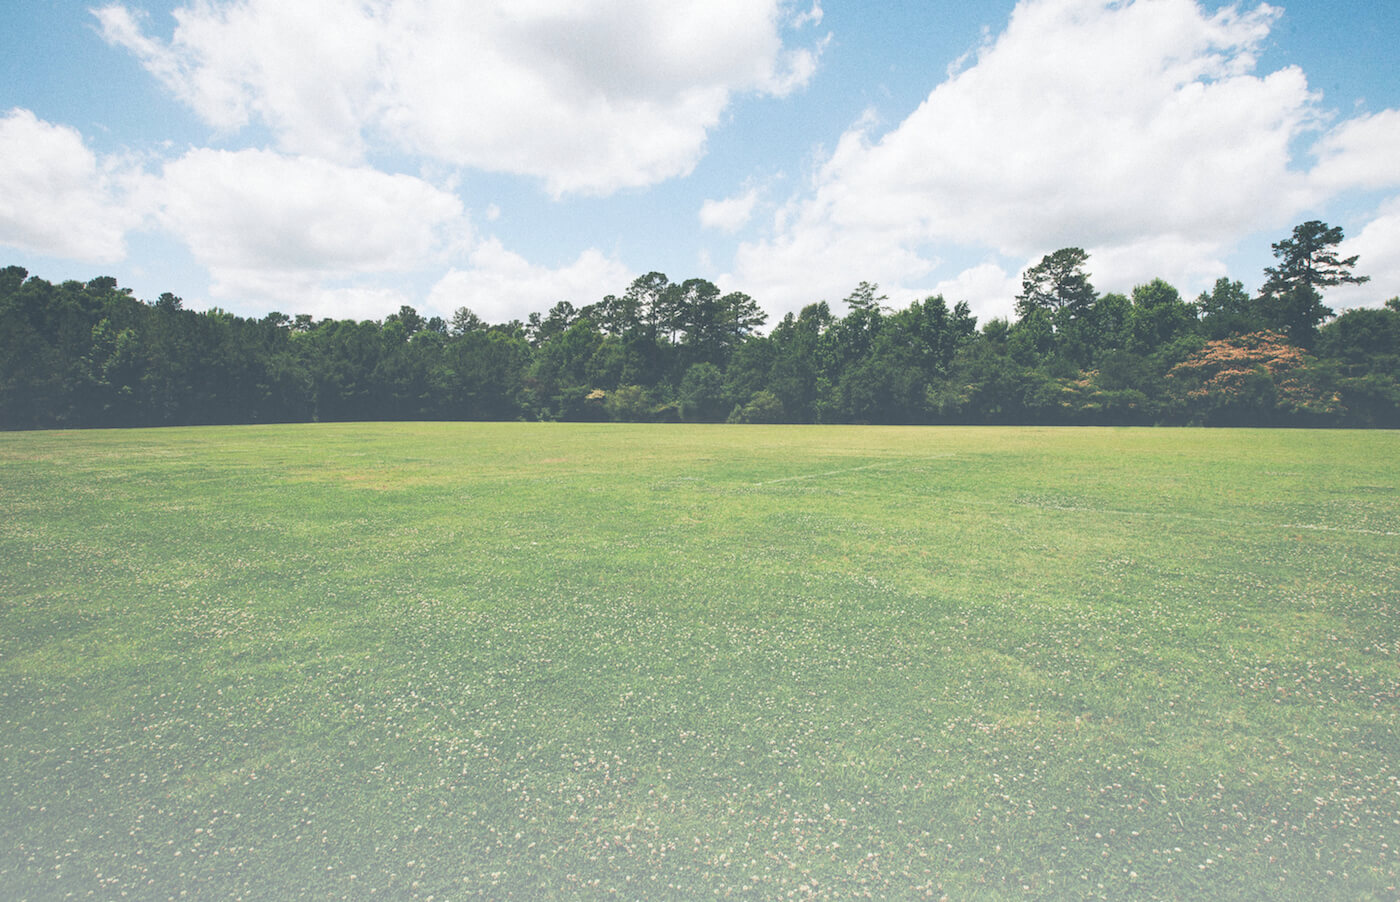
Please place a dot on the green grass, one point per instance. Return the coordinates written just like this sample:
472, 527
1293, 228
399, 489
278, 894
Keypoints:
552, 661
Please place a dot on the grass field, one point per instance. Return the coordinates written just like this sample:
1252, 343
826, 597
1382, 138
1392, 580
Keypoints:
554, 661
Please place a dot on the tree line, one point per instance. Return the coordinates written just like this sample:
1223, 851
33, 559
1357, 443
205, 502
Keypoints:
90, 354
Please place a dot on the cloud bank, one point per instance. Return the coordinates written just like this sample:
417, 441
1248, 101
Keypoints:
276, 225
1142, 131
57, 197
589, 97
1138, 130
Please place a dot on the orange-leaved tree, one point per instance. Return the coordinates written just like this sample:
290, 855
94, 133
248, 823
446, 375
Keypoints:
1253, 379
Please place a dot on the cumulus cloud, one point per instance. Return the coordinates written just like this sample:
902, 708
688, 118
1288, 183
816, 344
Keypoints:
730, 214
1190, 263
500, 285
987, 289
1360, 153
349, 302
57, 197
813, 257
279, 227
1138, 130
306, 70
589, 97
1377, 245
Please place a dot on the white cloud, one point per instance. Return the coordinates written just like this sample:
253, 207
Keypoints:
988, 289
500, 285
730, 214
991, 290
1089, 122
1378, 247
815, 259
354, 302
1189, 264
273, 227
1135, 129
589, 97
813, 16
1361, 153
308, 70
57, 197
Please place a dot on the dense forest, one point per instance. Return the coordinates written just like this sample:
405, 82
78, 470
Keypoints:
90, 354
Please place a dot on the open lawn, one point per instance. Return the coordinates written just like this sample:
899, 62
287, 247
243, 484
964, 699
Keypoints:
558, 661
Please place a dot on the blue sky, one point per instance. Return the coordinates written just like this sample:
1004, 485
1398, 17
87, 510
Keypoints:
341, 158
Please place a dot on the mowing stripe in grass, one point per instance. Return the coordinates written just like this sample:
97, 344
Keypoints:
876, 466
1079, 509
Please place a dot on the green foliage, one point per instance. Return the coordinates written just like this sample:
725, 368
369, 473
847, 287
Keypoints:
865, 300
89, 354
1291, 299
1227, 309
702, 396
1296, 312
629, 403
1159, 316
1362, 348
1057, 284
1309, 259
465, 321
1106, 329
763, 407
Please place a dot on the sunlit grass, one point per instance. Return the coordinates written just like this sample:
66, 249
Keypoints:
556, 661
